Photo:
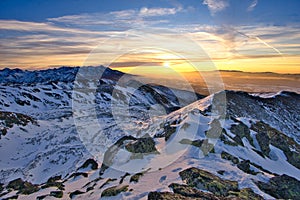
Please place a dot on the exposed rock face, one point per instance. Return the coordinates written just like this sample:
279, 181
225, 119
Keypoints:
22, 187
200, 179
113, 191
281, 187
205, 180
90, 162
142, 145
9, 119
241, 130
268, 135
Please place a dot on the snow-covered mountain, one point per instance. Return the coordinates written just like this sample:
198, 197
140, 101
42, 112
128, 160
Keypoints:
117, 138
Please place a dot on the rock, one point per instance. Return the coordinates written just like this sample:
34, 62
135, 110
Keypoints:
9, 119
281, 187
53, 179
246, 194
73, 194
264, 142
135, 178
41, 197
221, 172
230, 157
113, 191
227, 139
59, 185
166, 196
241, 130
12, 197
1, 187
245, 166
279, 140
57, 194
112, 151
188, 191
205, 180
89, 162
23, 187
123, 177
107, 182
142, 145
76, 174
169, 131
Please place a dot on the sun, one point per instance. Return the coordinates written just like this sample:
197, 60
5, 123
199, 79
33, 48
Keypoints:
166, 64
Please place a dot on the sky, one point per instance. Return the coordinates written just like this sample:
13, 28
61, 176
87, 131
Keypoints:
148, 37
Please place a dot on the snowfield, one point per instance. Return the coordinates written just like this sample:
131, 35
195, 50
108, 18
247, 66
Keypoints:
101, 139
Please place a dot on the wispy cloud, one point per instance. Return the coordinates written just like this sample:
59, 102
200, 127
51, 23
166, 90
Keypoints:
215, 6
121, 19
150, 12
252, 5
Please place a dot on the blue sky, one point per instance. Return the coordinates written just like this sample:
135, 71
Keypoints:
66, 31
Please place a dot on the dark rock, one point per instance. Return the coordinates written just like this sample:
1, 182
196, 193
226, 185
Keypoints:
221, 172
42, 197
241, 130
245, 193
281, 187
264, 142
227, 139
135, 178
107, 182
1, 187
169, 131
123, 177
57, 194
166, 196
279, 140
191, 192
113, 191
245, 166
12, 197
23, 187
205, 180
76, 174
54, 179
142, 145
9, 119
59, 185
88, 162
230, 157
75, 193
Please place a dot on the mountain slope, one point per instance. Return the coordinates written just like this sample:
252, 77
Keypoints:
143, 144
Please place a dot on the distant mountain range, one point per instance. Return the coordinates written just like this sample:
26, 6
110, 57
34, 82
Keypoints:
93, 132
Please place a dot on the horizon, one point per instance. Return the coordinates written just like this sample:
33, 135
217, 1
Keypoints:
152, 37
125, 71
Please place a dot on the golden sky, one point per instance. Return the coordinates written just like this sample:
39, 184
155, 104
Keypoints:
155, 40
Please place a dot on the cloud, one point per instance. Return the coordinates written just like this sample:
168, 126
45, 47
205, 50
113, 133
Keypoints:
123, 19
61, 42
150, 12
252, 5
215, 6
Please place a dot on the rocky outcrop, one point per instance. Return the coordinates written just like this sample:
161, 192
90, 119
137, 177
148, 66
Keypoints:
267, 135
281, 187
